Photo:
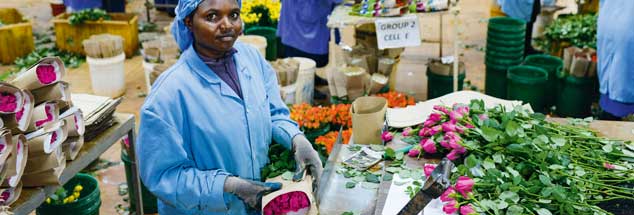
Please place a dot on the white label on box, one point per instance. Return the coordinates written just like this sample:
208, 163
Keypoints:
398, 32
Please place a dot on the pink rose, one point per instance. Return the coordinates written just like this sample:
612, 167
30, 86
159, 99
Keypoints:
450, 207
434, 130
445, 144
467, 210
445, 195
413, 152
428, 168
609, 166
407, 131
460, 129
423, 132
457, 147
448, 126
468, 125
455, 115
429, 146
464, 185
451, 136
453, 155
436, 117
387, 136
441, 109
464, 110
483, 117
428, 123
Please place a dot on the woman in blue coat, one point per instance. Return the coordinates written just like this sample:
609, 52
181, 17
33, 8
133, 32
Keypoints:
207, 124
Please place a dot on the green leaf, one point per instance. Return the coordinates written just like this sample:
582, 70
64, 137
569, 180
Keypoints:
558, 140
399, 156
488, 164
607, 148
287, 176
515, 209
351, 185
490, 134
501, 205
377, 148
417, 174
471, 161
512, 128
392, 169
372, 178
371, 186
512, 171
389, 154
509, 195
354, 148
556, 167
347, 213
488, 204
498, 158
542, 211
545, 180
358, 178
388, 177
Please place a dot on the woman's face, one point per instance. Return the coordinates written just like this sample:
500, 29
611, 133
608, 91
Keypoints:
216, 25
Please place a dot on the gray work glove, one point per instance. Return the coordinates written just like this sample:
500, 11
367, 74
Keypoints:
306, 157
250, 192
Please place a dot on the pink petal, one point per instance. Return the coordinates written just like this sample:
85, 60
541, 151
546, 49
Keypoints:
450, 207
464, 185
467, 210
453, 155
428, 168
445, 195
413, 152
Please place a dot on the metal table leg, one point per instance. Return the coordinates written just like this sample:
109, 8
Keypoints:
136, 181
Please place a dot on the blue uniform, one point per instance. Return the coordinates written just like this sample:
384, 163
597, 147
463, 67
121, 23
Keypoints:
195, 131
615, 53
520, 9
302, 24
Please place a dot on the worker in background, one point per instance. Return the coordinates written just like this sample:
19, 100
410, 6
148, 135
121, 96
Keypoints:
302, 28
207, 124
526, 10
615, 55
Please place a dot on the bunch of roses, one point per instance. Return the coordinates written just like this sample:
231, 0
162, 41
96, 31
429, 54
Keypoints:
341, 115
310, 117
397, 99
330, 138
441, 132
454, 197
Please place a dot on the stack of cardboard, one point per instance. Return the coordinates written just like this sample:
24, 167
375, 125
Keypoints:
364, 69
40, 125
98, 113
579, 62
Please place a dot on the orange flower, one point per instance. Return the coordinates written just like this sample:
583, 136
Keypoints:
397, 100
330, 138
341, 115
309, 117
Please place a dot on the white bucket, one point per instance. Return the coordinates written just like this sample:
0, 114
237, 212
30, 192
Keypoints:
107, 75
288, 94
148, 68
259, 42
305, 84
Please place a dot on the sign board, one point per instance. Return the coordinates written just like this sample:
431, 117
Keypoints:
398, 32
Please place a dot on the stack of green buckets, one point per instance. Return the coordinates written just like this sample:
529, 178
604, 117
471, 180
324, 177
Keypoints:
553, 65
505, 48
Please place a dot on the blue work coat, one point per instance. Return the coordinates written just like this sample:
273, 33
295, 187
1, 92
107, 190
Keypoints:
520, 9
615, 49
302, 24
195, 131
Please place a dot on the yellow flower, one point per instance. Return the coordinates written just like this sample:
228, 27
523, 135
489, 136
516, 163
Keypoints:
48, 200
71, 199
78, 188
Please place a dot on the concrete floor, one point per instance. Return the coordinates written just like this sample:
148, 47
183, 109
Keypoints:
472, 22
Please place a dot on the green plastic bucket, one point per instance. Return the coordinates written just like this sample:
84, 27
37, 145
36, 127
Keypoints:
503, 62
493, 54
440, 85
87, 204
495, 82
506, 48
506, 25
575, 97
528, 84
514, 37
149, 200
271, 39
552, 65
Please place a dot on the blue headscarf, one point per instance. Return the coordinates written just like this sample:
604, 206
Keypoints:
182, 34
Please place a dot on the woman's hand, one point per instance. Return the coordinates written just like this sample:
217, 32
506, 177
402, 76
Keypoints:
306, 157
250, 192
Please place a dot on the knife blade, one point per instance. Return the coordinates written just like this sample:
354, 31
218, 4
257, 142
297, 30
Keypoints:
434, 186
330, 166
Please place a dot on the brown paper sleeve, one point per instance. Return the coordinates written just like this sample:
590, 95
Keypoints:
304, 186
368, 117
19, 95
16, 162
14, 194
28, 80
55, 92
39, 113
44, 178
72, 146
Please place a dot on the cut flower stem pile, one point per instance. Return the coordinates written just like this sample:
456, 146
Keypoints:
516, 162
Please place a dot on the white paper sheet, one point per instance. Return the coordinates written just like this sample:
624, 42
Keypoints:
417, 114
